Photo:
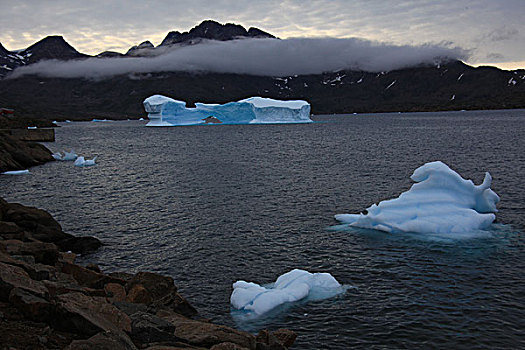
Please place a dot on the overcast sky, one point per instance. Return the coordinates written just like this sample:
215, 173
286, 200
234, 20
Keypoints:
492, 31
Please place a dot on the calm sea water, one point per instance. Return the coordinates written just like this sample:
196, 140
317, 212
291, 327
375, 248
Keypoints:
209, 205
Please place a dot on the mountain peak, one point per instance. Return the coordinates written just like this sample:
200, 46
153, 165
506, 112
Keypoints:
51, 47
213, 30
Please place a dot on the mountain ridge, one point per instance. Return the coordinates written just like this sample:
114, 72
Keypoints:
450, 86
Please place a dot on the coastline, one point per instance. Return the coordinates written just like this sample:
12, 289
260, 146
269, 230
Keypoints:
47, 301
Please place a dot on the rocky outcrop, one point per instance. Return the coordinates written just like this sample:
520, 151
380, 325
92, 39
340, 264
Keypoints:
19, 155
48, 301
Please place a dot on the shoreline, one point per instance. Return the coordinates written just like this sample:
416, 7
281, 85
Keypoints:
49, 301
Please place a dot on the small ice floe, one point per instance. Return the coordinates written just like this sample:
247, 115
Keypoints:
80, 161
141, 119
100, 120
68, 156
31, 127
440, 202
292, 286
16, 172
453, 98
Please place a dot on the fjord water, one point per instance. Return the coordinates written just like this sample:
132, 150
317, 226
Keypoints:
210, 205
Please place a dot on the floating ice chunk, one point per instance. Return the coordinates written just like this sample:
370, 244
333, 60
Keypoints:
16, 172
440, 202
69, 155
58, 156
141, 119
31, 127
292, 286
80, 161
165, 111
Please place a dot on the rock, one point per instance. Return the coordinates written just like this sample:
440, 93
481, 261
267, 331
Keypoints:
158, 286
16, 155
67, 257
285, 336
89, 315
147, 328
122, 275
30, 217
93, 267
104, 341
181, 306
174, 346
79, 245
10, 230
206, 334
16, 277
267, 341
32, 306
130, 308
45, 253
115, 291
88, 278
138, 294
227, 346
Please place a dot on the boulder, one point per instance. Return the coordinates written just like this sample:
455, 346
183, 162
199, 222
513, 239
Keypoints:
88, 278
79, 245
130, 308
88, 315
33, 307
10, 230
16, 277
115, 291
104, 341
147, 328
227, 346
139, 295
45, 253
158, 286
285, 336
267, 341
30, 217
206, 334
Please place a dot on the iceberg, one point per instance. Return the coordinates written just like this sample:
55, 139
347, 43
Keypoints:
68, 156
81, 162
16, 172
289, 287
440, 201
165, 111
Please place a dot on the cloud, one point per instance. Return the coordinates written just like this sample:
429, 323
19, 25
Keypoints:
266, 57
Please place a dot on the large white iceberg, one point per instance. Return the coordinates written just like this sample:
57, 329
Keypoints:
292, 286
165, 111
440, 201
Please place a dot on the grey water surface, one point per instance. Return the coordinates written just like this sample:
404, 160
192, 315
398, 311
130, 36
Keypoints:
209, 205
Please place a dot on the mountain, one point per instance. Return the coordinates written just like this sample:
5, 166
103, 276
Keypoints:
212, 30
448, 86
51, 47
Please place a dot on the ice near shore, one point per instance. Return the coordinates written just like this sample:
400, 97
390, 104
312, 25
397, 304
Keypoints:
289, 287
81, 162
165, 111
440, 201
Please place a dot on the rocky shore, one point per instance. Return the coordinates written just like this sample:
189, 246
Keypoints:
47, 301
19, 155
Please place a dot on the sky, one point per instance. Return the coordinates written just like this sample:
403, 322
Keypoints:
490, 31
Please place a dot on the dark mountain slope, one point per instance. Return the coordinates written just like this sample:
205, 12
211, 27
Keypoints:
453, 86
